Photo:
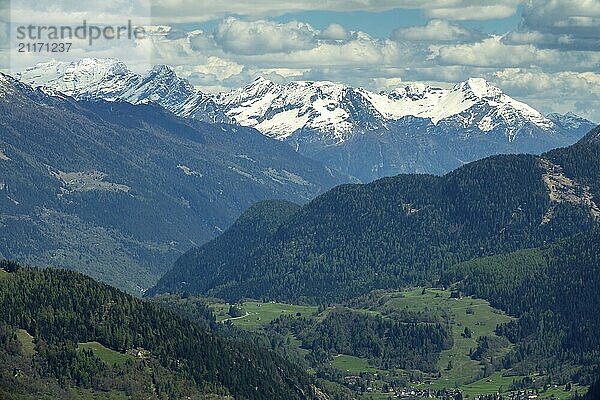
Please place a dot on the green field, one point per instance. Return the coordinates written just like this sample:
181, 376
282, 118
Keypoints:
497, 383
352, 364
107, 355
481, 320
3, 274
476, 314
258, 314
26, 342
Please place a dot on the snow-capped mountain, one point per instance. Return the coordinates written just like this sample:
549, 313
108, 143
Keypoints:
283, 110
414, 128
280, 111
438, 104
110, 79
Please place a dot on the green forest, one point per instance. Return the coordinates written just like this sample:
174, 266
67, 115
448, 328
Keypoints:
175, 357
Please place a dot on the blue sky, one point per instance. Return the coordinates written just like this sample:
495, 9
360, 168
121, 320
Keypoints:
377, 24
380, 24
543, 52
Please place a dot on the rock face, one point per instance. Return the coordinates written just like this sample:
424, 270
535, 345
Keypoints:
413, 129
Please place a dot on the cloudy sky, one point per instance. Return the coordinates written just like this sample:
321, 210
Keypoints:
544, 52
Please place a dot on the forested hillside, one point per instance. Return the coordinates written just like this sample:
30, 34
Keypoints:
388, 343
251, 230
402, 230
171, 357
555, 292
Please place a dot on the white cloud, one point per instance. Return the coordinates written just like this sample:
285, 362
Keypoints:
334, 32
75, 11
219, 67
437, 30
476, 12
494, 52
361, 51
205, 10
560, 92
561, 24
263, 37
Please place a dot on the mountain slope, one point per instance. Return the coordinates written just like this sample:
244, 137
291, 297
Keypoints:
554, 291
252, 229
404, 230
413, 129
62, 308
119, 191
593, 136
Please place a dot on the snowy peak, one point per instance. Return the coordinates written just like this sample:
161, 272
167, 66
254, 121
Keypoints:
111, 80
6, 86
473, 101
162, 70
568, 120
481, 88
89, 76
282, 110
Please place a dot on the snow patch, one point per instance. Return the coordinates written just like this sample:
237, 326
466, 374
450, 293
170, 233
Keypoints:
283, 124
284, 176
246, 157
242, 173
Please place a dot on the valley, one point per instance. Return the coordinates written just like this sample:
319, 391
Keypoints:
474, 377
120, 191
307, 240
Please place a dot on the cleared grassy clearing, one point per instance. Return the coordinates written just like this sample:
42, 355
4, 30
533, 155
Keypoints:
105, 354
258, 314
26, 342
3, 274
352, 364
475, 314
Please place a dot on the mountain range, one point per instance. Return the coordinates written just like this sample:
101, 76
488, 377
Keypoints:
119, 191
117, 175
415, 128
